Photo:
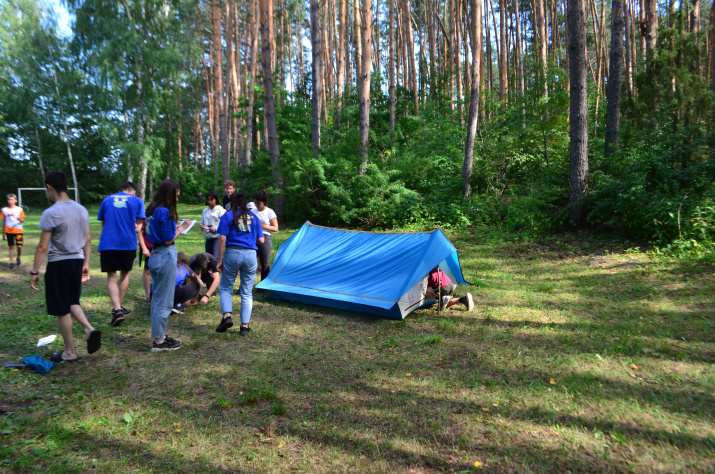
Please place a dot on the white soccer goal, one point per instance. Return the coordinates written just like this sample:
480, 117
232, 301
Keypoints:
20, 190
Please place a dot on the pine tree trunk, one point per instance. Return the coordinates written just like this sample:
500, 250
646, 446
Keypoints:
340, 61
364, 86
476, 44
541, 35
615, 79
250, 112
650, 26
219, 91
520, 63
269, 102
410, 43
579, 109
503, 54
317, 76
391, 72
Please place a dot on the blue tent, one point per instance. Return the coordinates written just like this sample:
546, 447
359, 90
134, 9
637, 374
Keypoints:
382, 273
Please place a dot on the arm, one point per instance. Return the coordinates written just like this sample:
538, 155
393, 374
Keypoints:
145, 251
87, 253
272, 226
221, 249
40, 253
178, 232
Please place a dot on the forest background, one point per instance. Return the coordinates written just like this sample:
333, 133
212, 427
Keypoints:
538, 115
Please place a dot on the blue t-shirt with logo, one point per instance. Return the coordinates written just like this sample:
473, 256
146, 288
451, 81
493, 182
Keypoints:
239, 234
120, 212
160, 227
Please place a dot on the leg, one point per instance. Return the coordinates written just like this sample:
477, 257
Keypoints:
185, 293
163, 268
123, 285
248, 277
146, 279
66, 331
214, 249
78, 313
12, 254
113, 289
228, 278
264, 252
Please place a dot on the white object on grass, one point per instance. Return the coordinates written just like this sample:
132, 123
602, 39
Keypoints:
46, 340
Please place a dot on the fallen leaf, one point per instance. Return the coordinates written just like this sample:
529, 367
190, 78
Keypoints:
477, 464
634, 367
485, 408
634, 376
501, 421
552, 381
413, 402
280, 446
408, 374
495, 404
178, 431
240, 393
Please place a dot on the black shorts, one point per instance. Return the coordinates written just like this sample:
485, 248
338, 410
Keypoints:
117, 260
14, 239
63, 285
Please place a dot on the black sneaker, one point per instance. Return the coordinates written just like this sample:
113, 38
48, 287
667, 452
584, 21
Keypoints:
19, 262
225, 323
117, 317
12, 265
178, 309
169, 344
244, 331
125, 310
467, 301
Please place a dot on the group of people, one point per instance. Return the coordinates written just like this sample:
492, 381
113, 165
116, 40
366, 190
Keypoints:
235, 242
238, 243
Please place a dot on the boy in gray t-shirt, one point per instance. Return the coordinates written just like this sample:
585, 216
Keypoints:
65, 233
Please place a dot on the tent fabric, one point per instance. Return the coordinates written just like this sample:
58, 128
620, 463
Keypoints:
372, 272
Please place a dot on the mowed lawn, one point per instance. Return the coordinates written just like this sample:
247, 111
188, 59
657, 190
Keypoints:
580, 355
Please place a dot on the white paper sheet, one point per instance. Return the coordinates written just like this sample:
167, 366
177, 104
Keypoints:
188, 228
43, 341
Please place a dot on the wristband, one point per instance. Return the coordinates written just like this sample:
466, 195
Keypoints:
34, 273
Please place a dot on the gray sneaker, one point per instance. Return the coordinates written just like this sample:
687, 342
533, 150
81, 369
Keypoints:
443, 303
169, 344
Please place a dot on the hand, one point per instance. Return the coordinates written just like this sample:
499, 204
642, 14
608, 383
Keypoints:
204, 298
35, 281
219, 267
85, 272
203, 227
146, 253
185, 225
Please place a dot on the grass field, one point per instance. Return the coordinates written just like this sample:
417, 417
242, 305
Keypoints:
580, 355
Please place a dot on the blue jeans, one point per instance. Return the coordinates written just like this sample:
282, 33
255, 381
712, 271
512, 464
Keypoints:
237, 259
162, 266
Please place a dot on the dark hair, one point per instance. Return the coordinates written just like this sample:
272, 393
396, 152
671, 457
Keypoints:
128, 186
181, 257
201, 261
213, 195
239, 203
58, 180
165, 196
261, 196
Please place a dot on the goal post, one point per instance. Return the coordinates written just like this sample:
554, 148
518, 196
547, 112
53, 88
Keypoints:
20, 190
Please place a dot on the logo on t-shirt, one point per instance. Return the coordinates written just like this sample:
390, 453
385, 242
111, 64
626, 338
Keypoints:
244, 227
120, 202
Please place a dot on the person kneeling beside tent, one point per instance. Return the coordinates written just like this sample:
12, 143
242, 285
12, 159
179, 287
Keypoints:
440, 285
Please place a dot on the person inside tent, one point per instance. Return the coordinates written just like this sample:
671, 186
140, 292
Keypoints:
441, 287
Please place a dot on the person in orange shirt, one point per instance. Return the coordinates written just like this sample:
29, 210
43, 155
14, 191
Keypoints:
13, 216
